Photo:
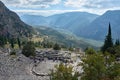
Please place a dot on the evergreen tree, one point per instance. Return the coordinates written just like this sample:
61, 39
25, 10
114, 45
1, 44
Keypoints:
19, 43
3, 40
56, 47
29, 49
117, 42
12, 42
108, 40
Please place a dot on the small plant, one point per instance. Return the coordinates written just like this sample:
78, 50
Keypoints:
56, 47
63, 72
13, 53
29, 49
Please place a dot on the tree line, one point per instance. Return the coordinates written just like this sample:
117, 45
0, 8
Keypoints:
9, 40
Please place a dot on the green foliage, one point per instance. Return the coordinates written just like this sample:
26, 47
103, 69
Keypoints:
12, 42
44, 44
47, 44
90, 51
63, 72
19, 43
65, 38
112, 67
13, 53
29, 49
114, 50
100, 67
117, 42
71, 48
56, 47
108, 40
3, 40
93, 66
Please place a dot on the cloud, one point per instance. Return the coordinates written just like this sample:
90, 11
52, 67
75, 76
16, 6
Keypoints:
31, 3
92, 3
42, 12
51, 12
49, 7
93, 6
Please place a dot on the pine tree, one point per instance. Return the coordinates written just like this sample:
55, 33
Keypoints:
19, 43
108, 40
29, 49
56, 47
12, 42
117, 42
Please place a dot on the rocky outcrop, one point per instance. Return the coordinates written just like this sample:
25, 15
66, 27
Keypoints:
14, 67
20, 67
11, 24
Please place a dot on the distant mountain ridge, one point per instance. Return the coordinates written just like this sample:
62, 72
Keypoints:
66, 39
72, 21
81, 23
11, 24
98, 28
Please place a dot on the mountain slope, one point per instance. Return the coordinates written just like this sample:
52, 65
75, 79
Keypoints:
10, 23
66, 39
99, 26
34, 19
72, 21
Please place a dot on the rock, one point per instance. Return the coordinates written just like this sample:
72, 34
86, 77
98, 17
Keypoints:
11, 24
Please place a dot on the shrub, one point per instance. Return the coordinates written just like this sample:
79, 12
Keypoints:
56, 47
13, 53
29, 49
63, 72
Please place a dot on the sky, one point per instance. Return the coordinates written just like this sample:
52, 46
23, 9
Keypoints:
50, 7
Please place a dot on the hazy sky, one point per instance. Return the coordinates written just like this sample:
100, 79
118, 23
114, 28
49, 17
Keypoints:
49, 7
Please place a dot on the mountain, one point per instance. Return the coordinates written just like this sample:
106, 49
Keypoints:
98, 28
66, 39
34, 20
71, 21
11, 24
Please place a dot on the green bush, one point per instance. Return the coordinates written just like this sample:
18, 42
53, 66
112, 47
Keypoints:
90, 51
100, 67
13, 53
28, 49
56, 47
63, 72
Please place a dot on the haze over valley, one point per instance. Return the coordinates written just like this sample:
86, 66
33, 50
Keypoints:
59, 40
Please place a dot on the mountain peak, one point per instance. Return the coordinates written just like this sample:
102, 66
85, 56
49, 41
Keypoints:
99, 26
112, 12
1, 3
2, 7
11, 23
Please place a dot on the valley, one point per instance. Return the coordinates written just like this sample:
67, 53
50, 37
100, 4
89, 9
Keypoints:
85, 24
68, 45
